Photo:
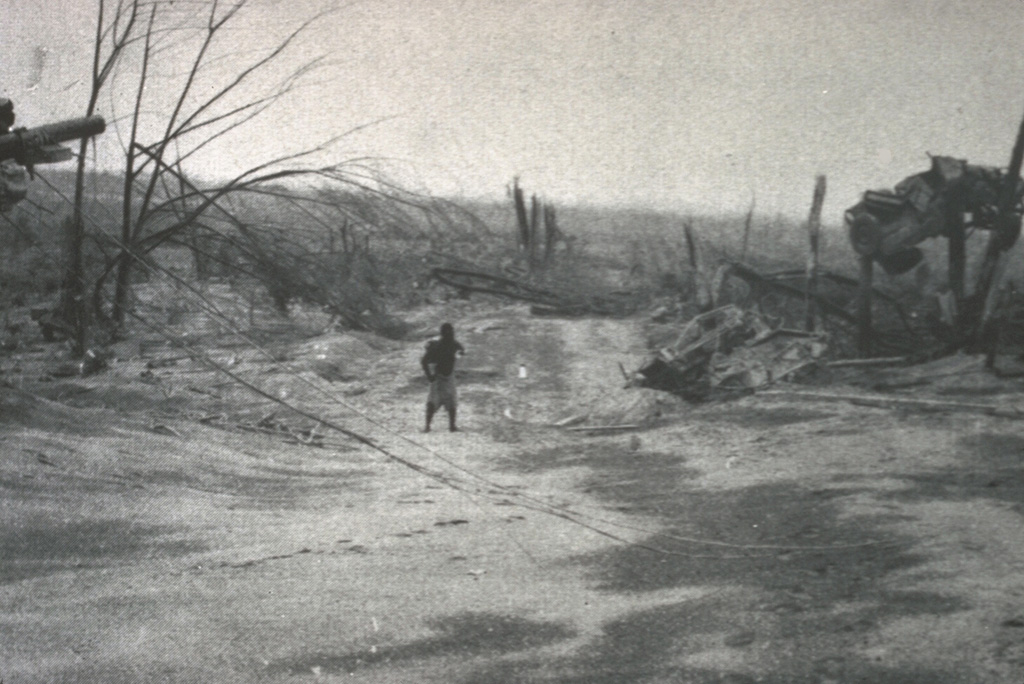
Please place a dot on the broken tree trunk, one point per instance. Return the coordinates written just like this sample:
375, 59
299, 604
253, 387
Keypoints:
701, 288
521, 221
988, 336
746, 229
864, 332
534, 229
1001, 239
550, 232
957, 258
814, 238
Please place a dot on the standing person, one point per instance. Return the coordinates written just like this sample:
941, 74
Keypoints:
438, 363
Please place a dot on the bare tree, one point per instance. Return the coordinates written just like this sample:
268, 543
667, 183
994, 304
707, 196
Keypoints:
210, 90
114, 35
178, 82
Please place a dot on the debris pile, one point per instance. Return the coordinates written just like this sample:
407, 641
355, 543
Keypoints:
729, 350
886, 225
633, 408
336, 357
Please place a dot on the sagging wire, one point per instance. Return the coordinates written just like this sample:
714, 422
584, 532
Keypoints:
528, 502
517, 498
430, 473
513, 497
205, 358
521, 498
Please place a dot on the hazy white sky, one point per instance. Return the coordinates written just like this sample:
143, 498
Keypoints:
676, 104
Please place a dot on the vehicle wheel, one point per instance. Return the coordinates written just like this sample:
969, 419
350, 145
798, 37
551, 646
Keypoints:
865, 235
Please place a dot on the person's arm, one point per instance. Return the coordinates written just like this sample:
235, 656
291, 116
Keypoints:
460, 348
426, 362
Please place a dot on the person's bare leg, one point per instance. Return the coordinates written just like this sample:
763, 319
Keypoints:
431, 410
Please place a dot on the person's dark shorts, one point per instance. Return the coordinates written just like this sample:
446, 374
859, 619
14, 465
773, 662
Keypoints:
442, 392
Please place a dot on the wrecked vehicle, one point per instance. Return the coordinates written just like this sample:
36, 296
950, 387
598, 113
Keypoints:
887, 224
729, 350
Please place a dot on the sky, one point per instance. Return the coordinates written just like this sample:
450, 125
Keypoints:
665, 104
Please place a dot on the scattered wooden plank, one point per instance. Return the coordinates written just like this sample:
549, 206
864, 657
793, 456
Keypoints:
794, 369
603, 428
860, 363
162, 429
1004, 411
570, 421
626, 376
910, 383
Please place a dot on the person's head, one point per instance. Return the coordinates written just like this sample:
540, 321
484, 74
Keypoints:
447, 332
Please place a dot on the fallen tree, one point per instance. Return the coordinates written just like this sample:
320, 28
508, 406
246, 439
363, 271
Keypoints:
547, 302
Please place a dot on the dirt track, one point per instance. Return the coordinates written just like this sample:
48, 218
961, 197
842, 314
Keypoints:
774, 542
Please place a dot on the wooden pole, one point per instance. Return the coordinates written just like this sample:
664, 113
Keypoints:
814, 238
550, 231
864, 332
521, 220
746, 230
700, 279
957, 259
1002, 238
989, 330
534, 229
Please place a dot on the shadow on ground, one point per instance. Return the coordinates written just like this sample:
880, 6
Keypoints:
795, 588
41, 547
461, 636
651, 646
989, 466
